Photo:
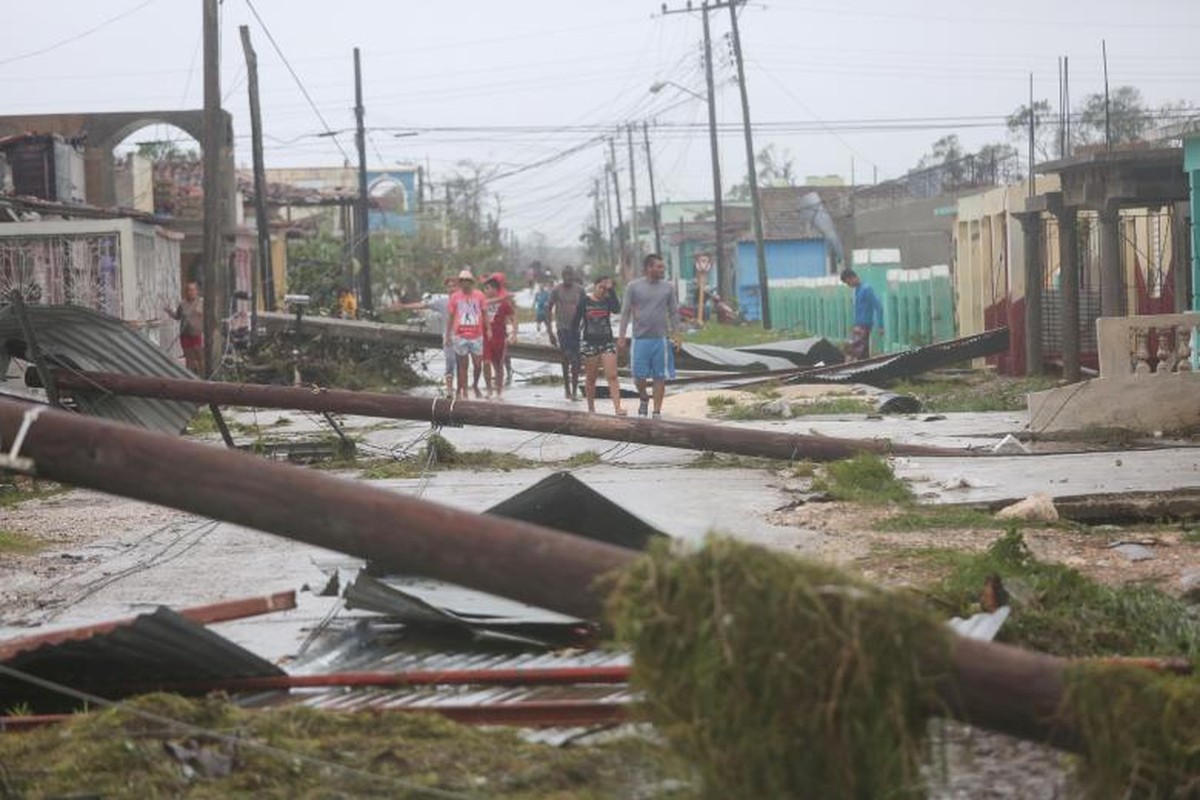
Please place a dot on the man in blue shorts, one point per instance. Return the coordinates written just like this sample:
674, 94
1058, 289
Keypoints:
651, 305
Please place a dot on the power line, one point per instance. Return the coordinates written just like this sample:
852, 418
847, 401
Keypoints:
76, 37
296, 77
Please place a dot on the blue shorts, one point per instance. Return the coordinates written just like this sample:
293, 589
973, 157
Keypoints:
652, 358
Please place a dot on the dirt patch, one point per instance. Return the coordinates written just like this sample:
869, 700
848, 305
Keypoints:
849, 537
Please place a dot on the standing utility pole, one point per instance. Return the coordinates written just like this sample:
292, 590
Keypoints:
1107, 120
363, 233
599, 243
724, 270
608, 220
213, 230
760, 252
612, 160
1032, 124
634, 227
725, 280
266, 275
653, 198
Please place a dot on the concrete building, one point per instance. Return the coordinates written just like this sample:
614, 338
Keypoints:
126, 268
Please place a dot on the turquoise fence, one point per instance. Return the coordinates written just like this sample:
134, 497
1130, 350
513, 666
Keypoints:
918, 306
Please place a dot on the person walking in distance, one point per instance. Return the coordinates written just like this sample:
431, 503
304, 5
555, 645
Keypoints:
593, 320
466, 328
564, 301
867, 309
651, 306
190, 315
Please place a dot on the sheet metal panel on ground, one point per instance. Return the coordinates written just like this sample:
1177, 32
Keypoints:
802, 352
79, 338
882, 370
379, 646
159, 646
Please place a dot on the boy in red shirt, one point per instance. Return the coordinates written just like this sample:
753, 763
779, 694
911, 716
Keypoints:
465, 327
501, 316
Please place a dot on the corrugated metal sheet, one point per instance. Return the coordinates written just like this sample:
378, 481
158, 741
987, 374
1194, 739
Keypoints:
801, 352
565, 503
374, 646
160, 646
703, 356
80, 338
882, 370
424, 602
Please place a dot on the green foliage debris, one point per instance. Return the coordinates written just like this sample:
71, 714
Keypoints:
865, 478
977, 391
1058, 610
440, 454
1140, 731
299, 752
777, 677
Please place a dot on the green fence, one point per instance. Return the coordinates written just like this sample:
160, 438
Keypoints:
918, 306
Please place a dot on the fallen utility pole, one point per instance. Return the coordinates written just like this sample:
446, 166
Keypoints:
663, 433
387, 333
505, 557
996, 686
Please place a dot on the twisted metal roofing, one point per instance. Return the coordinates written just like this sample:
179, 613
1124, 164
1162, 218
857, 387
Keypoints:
78, 338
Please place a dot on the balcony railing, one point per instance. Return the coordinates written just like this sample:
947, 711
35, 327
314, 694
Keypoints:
1154, 344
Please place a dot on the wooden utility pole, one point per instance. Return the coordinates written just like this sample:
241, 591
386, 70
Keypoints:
724, 268
266, 276
599, 245
725, 278
995, 686
653, 199
634, 225
363, 234
686, 435
213, 262
608, 222
760, 253
622, 241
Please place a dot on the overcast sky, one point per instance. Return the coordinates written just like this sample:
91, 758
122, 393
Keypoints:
531, 87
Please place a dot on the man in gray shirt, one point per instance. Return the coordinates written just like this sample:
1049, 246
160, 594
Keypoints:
650, 304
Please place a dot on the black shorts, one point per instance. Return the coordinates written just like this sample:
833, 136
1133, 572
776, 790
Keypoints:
592, 349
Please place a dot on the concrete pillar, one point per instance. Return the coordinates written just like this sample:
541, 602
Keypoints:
1181, 264
1031, 227
1068, 287
1112, 279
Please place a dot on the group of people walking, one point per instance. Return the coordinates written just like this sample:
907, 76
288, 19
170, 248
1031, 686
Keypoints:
479, 325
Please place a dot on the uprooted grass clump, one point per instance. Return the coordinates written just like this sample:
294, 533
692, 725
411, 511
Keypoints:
777, 677
1058, 610
299, 752
865, 478
1140, 731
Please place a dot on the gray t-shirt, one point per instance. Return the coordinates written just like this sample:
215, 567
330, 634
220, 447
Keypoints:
652, 307
435, 320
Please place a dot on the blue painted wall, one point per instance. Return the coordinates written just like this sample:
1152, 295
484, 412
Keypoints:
792, 258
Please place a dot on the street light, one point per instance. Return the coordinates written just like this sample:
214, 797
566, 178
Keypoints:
724, 277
